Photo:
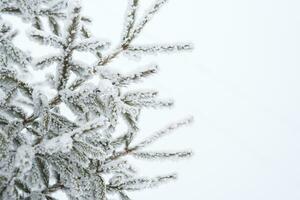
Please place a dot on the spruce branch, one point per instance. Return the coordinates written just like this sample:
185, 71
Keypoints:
72, 31
43, 150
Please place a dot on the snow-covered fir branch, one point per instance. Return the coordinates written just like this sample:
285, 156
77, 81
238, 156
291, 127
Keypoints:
44, 150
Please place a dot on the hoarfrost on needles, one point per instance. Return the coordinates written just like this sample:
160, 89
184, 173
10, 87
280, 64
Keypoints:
82, 153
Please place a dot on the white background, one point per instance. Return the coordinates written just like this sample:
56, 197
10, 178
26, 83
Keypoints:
242, 85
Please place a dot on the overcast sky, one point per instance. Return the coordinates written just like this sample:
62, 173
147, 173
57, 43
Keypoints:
242, 85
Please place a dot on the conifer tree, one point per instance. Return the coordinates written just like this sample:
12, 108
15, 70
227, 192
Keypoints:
42, 149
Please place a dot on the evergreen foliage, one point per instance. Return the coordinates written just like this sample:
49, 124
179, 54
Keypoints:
43, 150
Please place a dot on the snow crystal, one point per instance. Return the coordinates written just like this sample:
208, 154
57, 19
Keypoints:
24, 157
106, 87
63, 143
